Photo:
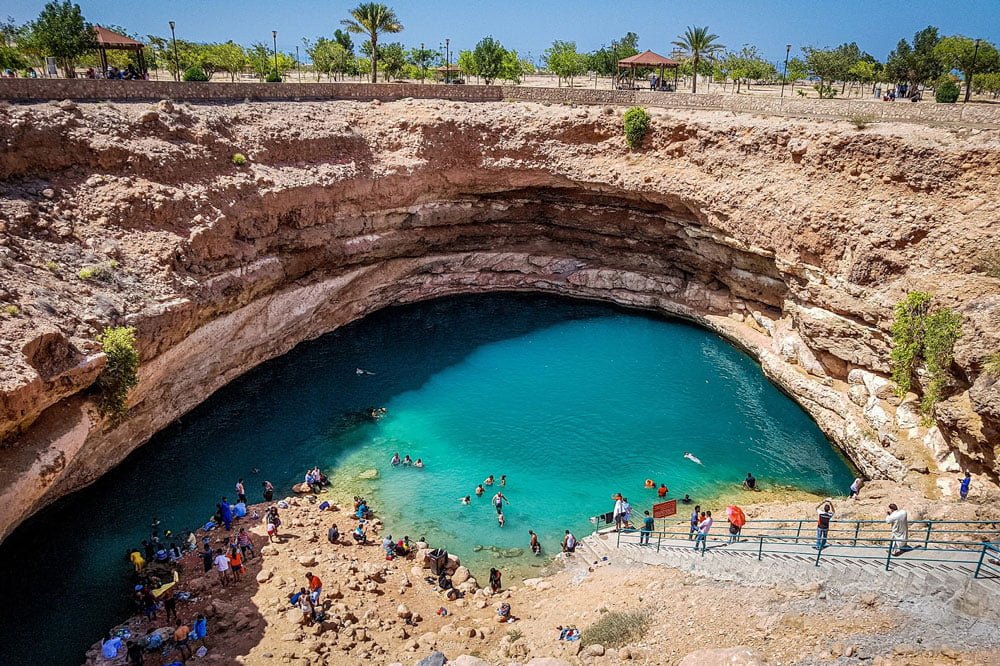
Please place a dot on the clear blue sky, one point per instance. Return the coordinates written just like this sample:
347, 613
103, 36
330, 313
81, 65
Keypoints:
530, 25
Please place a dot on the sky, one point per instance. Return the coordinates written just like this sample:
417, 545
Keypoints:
531, 25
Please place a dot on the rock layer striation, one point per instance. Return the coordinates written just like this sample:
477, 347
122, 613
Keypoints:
794, 239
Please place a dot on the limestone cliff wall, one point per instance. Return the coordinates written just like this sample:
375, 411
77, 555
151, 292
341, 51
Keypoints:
793, 239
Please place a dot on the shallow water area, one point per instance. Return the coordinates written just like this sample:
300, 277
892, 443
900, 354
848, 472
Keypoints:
571, 400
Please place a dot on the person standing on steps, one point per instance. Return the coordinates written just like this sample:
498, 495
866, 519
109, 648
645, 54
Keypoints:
898, 519
569, 543
695, 519
647, 529
963, 486
704, 525
619, 512
824, 511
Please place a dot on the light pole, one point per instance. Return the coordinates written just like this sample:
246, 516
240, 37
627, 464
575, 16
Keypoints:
447, 60
784, 76
297, 70
423, 68
274, 36
968, 84
177, 62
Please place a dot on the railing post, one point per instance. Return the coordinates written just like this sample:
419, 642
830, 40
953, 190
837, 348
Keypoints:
979, 565
927, 537
659, 538
819, 554
857, 530
888, 554
798, 531
618, 538
760, 548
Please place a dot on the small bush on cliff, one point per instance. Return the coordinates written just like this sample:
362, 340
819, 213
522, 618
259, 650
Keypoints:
103, 271
992, 365
946, 90
195, 74
239, 159
989, 263
121, 373
616, 629
636, 124
861, 120
922, 334
11, 310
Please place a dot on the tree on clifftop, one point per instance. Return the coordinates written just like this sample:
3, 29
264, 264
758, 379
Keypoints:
968, 56
372, 18
698, 43
60, 32
488, 58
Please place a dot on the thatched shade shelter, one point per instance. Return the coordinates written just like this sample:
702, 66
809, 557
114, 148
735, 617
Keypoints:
108, 40
649, 59
447, 72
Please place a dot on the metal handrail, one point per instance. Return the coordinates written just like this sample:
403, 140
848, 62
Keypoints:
987, 563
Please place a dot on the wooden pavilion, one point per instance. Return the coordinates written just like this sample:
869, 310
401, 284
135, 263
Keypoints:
108, 40
649, 59
447, 72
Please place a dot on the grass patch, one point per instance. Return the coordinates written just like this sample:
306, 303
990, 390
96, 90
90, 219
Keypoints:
52, 266
515, 635
992, 365
239, 159
617, 628
11, 310
102, 271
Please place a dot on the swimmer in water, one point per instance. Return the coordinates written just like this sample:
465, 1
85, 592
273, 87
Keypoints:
419, 464
692, 458
488, 481
480, 490
362, 371
650, 483
395, 459
467, 499
500, 519
407, 461
503, 479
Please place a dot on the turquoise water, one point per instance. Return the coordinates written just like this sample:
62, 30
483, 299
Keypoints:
571, 400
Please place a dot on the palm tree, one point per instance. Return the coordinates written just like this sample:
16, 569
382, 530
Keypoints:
698, 42
373, 18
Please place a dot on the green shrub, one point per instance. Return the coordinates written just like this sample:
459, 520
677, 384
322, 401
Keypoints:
922, 334
861, 120
992, 365
195, 74
51, 266
102, 271
239, 159
11, 310
121, 373
946, 90
273, 77
636, 122
616, 629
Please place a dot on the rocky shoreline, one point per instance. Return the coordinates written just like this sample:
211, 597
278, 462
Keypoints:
380, 611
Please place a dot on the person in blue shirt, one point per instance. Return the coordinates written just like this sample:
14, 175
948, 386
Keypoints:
226, 514
647, 529
963, 488
694, 521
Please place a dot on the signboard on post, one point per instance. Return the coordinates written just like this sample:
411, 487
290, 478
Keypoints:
665, 509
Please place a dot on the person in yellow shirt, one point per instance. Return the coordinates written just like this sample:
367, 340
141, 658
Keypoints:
137, 560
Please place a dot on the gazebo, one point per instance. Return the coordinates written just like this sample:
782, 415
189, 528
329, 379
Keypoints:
649, 59
108, 40
448, 72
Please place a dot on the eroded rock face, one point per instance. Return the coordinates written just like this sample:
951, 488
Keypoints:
348, 207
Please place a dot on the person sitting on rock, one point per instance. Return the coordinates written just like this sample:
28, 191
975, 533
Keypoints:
333, 534
360, 535
504, 614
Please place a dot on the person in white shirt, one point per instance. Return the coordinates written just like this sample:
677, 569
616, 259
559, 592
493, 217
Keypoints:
856, 487
222, 566
704, 525
900, 529
619, 512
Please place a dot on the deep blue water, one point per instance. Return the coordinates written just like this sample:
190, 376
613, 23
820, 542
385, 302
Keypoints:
571, 400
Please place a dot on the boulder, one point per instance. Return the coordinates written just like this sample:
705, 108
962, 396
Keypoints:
461, 575
264, 575
595, 650
433, 659
307, 560
368, 474
403, 612
468, 660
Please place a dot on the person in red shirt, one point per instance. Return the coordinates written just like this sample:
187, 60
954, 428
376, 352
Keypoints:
315, 587
236, 562
662, 490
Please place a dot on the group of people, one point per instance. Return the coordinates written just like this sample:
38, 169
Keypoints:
406, 461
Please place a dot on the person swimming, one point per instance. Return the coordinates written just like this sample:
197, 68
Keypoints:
488, 481
362, 371
419, 464
500, 519
480, 490
692, 458
650, 483
407, 461
687, 500
395, 459
377, 412
466, 500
